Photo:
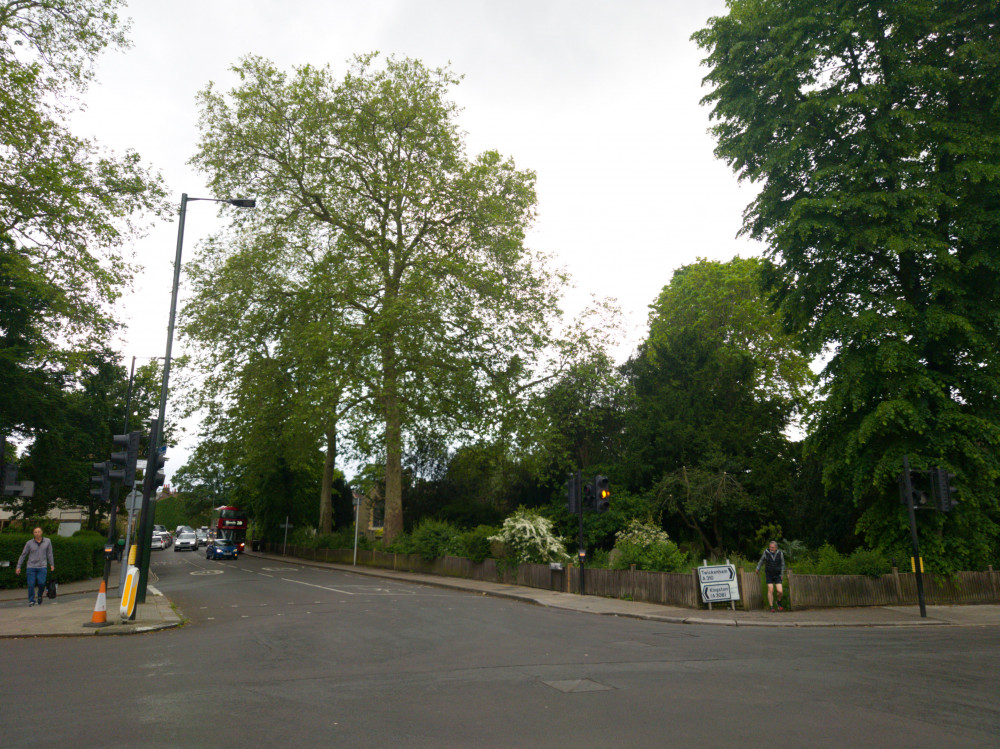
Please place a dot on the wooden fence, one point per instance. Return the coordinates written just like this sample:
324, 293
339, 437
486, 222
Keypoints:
682, 589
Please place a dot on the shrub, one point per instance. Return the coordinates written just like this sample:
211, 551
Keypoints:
433, 539
868, 562
76, 558
648, 548
475, 544
529, 537
402, 544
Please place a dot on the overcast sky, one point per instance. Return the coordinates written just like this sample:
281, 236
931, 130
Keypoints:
600, 99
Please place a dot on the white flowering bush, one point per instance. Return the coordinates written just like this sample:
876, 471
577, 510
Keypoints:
641, 534
529, 537
648, 548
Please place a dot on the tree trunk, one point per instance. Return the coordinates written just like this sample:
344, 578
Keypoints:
326, 489
393, 450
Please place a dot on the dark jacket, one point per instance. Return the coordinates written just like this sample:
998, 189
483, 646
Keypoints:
772, 562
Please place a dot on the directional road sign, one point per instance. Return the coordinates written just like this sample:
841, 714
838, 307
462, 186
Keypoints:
718, 583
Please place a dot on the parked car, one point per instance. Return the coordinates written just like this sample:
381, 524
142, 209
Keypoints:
156, 542
222, 548
186, 540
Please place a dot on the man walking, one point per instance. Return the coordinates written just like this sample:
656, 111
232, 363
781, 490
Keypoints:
38, 552
773, 562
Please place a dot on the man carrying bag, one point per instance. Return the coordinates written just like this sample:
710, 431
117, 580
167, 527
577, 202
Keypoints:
38, 552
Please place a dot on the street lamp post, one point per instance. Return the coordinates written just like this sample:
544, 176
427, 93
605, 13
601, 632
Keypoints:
156, 439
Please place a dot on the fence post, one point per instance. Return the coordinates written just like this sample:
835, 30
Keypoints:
994, 584
899, 586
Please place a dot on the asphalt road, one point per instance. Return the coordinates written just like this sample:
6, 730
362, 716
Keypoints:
281, 655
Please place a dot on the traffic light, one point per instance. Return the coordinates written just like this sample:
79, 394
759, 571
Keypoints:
944, 492
921, 497
102, 490
153, 478
8, 480
572, 495
588, 497
602, 493
126, 458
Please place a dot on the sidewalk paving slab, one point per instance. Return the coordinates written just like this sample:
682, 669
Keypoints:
71, 612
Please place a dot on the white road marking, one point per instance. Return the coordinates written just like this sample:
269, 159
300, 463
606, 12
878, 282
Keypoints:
323, 587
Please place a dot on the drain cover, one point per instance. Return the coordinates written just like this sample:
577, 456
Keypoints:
578, 685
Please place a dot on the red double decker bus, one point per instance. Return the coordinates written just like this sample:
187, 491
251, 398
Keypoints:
230, 522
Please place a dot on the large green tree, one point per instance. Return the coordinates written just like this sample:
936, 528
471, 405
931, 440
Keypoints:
873, 132
68, 209
715, 388
423, 246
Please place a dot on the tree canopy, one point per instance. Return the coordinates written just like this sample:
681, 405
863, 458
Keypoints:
874, 137
68, 209
418, 249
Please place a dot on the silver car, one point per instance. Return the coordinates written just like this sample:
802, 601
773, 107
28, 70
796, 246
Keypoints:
186, 540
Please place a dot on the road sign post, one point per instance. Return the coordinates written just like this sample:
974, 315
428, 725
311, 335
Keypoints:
286, 525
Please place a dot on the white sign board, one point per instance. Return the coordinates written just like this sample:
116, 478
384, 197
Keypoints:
718, 583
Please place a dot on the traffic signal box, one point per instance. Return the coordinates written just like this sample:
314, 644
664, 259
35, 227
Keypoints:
942, 489
153, 478
572, 495
931, 490
602, 493
101, 482
125, 459
596, 495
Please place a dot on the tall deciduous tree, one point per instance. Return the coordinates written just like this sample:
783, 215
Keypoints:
873, 130
424, 246
67, 208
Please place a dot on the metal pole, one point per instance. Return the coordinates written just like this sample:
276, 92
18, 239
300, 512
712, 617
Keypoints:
173, 316
145, 532
285, 547
357, 512
908, 488
114, 515
582, 550
155, 439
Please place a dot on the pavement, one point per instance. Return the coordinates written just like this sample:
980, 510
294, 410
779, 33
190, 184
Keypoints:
72, 611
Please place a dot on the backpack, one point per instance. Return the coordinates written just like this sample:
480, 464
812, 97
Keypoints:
50, 588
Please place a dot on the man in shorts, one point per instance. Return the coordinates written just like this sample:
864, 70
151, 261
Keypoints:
773, 562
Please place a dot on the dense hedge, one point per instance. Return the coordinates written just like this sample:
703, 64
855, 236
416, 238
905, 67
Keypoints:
77, 558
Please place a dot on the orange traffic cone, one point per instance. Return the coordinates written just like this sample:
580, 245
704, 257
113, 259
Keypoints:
100, 617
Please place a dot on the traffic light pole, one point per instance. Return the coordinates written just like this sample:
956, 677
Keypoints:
908, 487
582, 552
145, 534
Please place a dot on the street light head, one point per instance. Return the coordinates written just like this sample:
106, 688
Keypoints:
243, 202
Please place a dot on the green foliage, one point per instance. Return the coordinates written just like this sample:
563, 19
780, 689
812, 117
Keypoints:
433, 539
529, 537
434, 322
648, 548
475, 544
828, 561
78, 558
871, 133
69, 208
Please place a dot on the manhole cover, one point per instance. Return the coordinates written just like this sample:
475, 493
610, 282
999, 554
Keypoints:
578, 685
208, 572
